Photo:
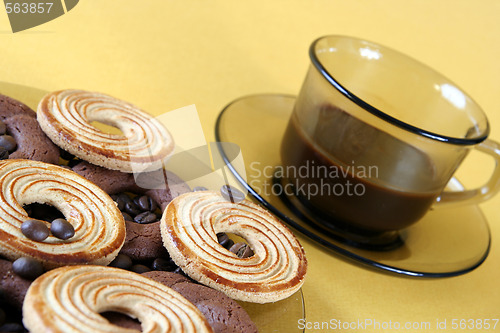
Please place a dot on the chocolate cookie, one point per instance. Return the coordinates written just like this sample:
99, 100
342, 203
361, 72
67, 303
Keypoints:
162, 187
30, 141
143, 240
10, 107
13, 285
223, 313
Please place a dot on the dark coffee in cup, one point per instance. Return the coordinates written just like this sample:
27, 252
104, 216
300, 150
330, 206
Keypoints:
375, 137
356, 174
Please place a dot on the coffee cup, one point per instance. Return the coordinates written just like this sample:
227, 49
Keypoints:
375, 136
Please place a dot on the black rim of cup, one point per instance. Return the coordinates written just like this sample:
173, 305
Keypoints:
373, 110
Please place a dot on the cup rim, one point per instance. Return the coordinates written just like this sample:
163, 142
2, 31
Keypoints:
384, 116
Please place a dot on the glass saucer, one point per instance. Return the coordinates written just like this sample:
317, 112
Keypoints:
281, 316
447, 241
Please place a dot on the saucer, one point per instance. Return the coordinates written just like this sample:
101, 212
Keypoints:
447, 241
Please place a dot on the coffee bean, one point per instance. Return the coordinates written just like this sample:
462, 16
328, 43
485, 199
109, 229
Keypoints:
124, 197
120, 205
27, 268
199, 188
35, 230
138, 268
62, 229
245, 252
236, 247
222, 238
232, 194
142, 202
242, 250
115, 199
228, 244
145, 218
127, 217
121, 199
12, 328
162, 264
136, 202
4, 153
152, 206
132, 208
121, 261
3, 128
8, 142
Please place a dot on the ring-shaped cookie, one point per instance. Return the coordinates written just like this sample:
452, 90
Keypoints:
66, 117
189, 228
99, 225
69, 300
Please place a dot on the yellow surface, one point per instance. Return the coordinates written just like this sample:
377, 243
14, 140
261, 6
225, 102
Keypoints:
165, 54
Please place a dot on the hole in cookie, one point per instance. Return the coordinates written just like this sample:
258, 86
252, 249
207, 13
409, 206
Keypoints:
235, 244
43, 212
235, 238
122, 320
106, 128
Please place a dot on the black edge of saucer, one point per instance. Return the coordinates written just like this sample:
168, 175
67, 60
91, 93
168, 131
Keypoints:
317, 237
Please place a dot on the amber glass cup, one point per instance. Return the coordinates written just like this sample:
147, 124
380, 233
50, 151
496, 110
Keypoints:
375, 136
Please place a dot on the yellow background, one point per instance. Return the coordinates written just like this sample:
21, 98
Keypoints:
165, 54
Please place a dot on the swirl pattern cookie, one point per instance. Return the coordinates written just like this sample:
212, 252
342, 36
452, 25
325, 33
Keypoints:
69, 299
189, 228
99, 226
66, 117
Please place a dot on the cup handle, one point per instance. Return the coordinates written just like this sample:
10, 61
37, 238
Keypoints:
484, 192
